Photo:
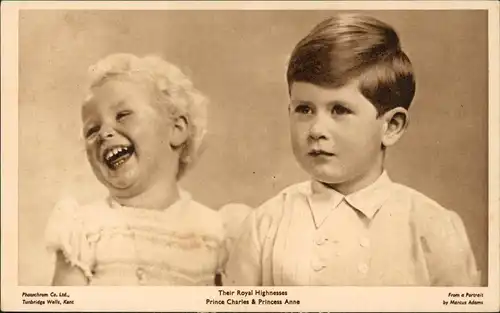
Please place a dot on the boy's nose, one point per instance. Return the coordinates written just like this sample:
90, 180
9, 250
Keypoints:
318, 130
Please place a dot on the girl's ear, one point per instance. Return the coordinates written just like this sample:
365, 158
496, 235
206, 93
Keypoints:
179, 131
395, 124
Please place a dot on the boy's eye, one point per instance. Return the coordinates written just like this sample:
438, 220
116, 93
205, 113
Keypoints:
122, 114
303, 109
340, 110
91, 131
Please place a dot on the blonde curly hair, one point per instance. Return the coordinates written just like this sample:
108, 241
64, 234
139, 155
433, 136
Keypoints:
176, 93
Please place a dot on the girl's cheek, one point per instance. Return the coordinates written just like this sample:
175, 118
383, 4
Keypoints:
89, 147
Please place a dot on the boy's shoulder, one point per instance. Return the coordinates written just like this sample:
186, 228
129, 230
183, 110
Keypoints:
273, 207
443, 238
417, 198
423, 209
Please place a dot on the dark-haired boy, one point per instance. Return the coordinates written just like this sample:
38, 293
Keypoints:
350, 87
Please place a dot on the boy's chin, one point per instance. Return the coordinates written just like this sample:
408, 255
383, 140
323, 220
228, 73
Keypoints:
327, 176
330, 180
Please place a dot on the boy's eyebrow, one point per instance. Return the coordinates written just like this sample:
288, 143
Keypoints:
301, 102
329, 103
338, 102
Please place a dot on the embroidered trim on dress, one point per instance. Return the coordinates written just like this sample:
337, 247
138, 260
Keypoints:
158, 268
166, 238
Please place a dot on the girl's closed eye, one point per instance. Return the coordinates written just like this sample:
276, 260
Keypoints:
120, 116
91, 131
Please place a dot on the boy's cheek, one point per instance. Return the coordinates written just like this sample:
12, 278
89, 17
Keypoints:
298, 144
299, 132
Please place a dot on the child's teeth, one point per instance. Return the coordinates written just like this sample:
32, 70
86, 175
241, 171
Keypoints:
114, 151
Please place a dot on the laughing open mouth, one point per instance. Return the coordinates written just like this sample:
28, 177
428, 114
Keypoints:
115, 156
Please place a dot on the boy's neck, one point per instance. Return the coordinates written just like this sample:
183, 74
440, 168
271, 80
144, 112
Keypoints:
358, 183
158, 197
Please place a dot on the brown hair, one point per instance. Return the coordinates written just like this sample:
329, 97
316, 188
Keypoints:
346, 47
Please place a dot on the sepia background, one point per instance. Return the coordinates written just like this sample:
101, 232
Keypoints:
238, 59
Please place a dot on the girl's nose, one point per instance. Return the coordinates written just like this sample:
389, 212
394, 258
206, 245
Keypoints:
106, 132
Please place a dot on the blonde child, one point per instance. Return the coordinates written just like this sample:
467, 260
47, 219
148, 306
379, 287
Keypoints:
350, 87
143, 123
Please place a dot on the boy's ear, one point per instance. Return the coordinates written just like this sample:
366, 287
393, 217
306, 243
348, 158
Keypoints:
179, 131
395, 124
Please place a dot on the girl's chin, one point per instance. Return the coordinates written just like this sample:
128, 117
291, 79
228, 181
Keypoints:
120, 180
119, 185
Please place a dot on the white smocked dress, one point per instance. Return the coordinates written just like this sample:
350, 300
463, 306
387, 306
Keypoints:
117, 245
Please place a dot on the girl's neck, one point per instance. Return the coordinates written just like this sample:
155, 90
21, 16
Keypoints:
158, 197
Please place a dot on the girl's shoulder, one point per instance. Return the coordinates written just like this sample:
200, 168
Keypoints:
204, 219
190, 217
72, 229
200, 211
69, 214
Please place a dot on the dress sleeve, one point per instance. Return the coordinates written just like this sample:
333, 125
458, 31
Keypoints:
66, 232
449, 257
